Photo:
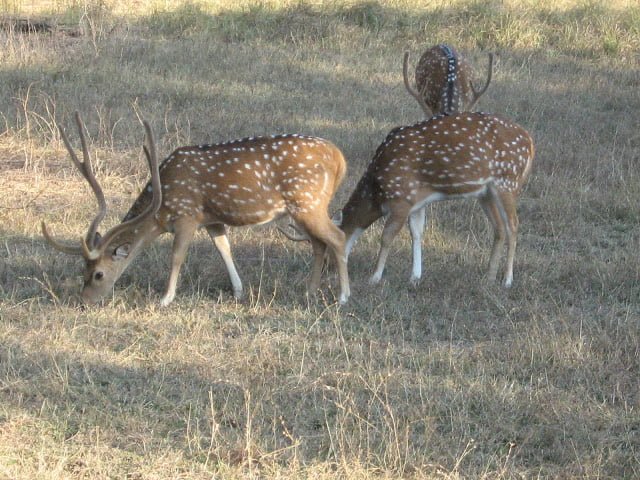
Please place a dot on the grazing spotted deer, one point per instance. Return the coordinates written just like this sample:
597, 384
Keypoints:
243, 182
444, 81
446, 157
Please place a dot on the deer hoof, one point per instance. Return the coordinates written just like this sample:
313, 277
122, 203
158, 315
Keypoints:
166, 301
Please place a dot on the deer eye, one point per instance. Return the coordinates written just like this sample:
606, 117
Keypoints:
98, 275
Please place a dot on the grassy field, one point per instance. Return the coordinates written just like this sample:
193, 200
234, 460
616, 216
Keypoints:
455, 378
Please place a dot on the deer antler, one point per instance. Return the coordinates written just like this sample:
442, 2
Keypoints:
87, 172
478, 93
156, 199
70, 249
415, 94
88, 242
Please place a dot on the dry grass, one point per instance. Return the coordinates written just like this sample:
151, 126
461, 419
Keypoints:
453, 379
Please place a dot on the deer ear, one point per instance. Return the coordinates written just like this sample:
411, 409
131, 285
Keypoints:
121, 252
337, 218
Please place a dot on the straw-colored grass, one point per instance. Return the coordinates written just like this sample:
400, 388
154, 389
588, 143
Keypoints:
453, 379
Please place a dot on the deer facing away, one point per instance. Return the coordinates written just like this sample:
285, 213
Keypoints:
444, 81
446, 157
243, 182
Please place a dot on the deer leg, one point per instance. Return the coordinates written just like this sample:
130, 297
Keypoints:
319, 249
356, 226
351, 240
326, 234
416, 227
354, 233
509, 203
181, 241
219, 237
391, 228
491, 210
319, 253
336, 242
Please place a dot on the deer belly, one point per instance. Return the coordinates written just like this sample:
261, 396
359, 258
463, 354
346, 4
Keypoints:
463, 191
242, 211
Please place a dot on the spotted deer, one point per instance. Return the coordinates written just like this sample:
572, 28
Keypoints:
446, 157
250, 181
444, 81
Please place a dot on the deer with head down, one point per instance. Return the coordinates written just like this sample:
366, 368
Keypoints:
446, 157
242, 182
444, 81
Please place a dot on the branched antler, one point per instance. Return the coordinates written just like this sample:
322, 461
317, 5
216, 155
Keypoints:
478, 93
414, 93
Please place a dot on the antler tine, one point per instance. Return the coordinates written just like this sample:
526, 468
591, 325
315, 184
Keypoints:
477, 94
152, 160
87, 173
410, 89
156, 200
70, 249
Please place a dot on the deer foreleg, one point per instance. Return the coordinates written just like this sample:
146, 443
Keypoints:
182, 240
221, 241
416, 227
351, 240
391, 228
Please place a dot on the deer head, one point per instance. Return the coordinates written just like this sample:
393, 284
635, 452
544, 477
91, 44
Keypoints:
444, 81
107, 256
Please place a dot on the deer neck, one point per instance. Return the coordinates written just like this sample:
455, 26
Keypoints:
143, 200
130, 242
363, 207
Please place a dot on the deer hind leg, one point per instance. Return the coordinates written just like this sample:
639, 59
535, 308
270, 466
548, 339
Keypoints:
416, 227
323, 234
491, 209
391, 228
184, 228
509, 203
319, 250
218, 234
